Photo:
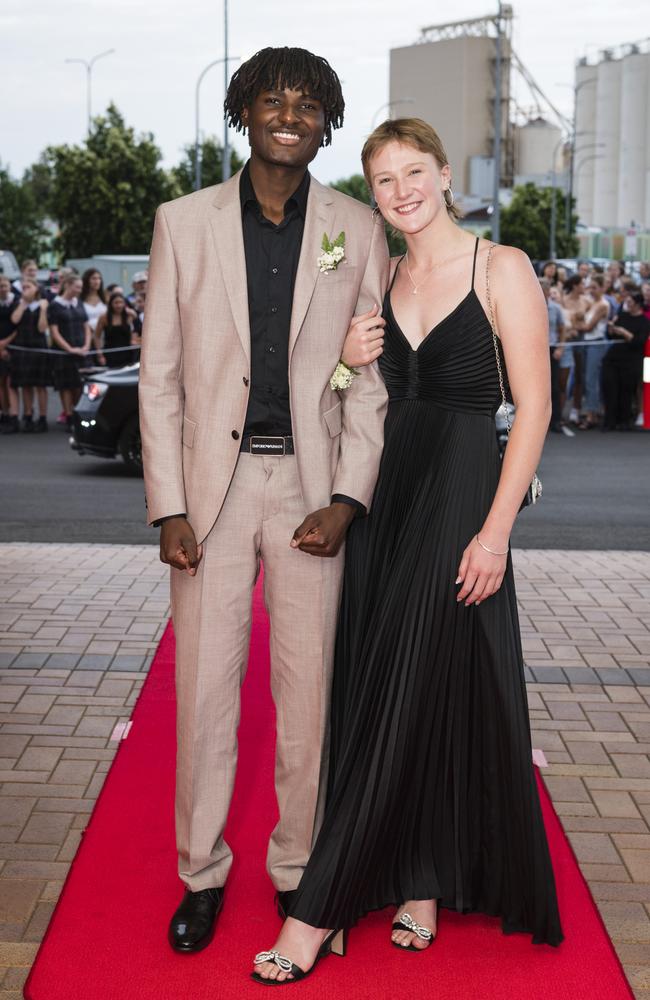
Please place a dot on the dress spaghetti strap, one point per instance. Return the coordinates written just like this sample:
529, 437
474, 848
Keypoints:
474, 261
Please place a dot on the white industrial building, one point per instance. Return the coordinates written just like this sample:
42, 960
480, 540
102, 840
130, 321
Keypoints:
612, 163
448, 78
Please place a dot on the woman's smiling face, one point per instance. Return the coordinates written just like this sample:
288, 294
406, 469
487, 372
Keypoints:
408, 186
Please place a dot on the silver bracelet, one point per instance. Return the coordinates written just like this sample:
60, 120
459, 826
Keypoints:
491, 551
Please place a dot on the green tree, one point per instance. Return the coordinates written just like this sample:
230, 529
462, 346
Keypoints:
105, 192
21, 227
39, 180
526, 222
211, 152
356, 187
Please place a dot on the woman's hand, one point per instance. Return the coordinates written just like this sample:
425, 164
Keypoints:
480, 573
365, 340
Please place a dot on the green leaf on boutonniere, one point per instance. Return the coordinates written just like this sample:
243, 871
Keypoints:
327, 245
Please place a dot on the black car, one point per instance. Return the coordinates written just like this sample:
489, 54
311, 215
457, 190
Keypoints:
105, 421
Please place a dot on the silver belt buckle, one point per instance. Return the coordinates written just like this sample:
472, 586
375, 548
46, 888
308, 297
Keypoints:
264, 447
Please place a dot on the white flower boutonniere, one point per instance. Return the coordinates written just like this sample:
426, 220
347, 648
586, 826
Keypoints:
343, 376
333, 253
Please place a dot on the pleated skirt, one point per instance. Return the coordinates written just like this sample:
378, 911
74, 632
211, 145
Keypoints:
432, 793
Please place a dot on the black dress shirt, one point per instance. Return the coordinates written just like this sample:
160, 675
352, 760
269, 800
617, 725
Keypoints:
272, 253
630, 351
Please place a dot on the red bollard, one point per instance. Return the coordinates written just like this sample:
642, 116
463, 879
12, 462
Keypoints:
646, 386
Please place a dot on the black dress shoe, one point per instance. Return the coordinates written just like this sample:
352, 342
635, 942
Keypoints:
192, 926
283, 902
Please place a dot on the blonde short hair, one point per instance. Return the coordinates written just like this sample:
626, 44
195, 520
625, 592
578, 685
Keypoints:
410, 132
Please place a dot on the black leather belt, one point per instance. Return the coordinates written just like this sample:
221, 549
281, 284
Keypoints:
255, 444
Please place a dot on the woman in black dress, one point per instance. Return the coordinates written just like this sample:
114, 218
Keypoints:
114, 334
30, 366
70, 334
8, 300
432, 798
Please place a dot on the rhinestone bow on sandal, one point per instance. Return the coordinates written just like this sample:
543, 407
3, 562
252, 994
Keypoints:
334, 944
407, 923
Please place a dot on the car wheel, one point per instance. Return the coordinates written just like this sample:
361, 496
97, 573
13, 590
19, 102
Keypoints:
130, 444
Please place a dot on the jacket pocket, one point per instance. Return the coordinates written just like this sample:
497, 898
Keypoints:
189, 429
333, 419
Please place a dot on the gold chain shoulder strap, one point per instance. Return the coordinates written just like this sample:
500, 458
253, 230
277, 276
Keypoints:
495, 340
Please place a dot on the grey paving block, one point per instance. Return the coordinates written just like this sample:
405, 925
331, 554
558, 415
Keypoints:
528, 675
581, 675
95, 661
6, 659
614, 675
127, 661
63, 661
30, 660
640, 675
549, 675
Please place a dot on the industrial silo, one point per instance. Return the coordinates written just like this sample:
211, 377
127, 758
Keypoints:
608, 132
633, 139
584, 164
538, 148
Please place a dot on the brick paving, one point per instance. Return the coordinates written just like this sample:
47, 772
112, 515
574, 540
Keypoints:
78, 628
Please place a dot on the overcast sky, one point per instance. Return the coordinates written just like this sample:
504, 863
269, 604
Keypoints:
162, 46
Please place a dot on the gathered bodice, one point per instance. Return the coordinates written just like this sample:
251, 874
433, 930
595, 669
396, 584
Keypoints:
454, 366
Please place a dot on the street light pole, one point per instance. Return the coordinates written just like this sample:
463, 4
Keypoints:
389, 104
496, 215
552, 238
587, 159
225, 165
197, 139
89, 68
572, 153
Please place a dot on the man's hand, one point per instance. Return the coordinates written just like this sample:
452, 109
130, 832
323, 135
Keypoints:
322, 533
178, 545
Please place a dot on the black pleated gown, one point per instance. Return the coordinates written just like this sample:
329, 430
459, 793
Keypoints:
432, 792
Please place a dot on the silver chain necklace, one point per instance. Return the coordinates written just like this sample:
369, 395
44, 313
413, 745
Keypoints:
425, 279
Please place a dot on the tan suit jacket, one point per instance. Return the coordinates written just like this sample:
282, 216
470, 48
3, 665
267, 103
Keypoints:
195, 362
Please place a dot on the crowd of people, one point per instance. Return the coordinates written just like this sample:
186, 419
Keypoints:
50, 333
599, 322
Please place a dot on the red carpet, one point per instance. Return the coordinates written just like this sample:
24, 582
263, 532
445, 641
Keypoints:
107, 939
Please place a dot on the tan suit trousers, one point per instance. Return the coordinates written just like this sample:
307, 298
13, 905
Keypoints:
212, 622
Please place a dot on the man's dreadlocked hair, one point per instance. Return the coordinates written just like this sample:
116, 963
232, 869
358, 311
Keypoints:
286, 68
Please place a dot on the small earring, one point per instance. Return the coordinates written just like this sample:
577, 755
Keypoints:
451, 194
376, 212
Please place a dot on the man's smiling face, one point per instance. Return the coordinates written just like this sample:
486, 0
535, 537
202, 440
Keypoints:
285, 127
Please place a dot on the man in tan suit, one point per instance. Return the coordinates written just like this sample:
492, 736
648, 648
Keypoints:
250, 456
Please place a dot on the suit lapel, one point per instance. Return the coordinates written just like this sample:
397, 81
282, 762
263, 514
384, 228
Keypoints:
319, 219
228, 236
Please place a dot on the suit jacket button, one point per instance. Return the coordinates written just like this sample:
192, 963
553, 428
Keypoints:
245, 380
235, 434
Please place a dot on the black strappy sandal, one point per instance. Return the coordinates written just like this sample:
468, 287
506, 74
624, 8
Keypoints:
407, 923
334, 944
